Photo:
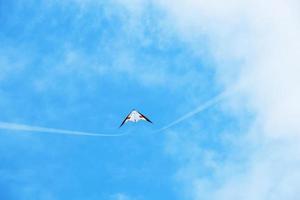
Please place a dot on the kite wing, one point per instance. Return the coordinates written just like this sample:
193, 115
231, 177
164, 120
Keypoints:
143, 116
125, 120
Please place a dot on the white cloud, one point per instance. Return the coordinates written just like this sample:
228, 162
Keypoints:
265, 36
255, 44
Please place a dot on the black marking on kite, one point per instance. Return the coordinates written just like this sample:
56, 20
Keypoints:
124, 120
148, 120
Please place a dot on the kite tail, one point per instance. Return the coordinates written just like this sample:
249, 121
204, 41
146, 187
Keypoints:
201, 108
198, 109
23, 127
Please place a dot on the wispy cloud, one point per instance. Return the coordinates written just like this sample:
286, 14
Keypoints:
256, 43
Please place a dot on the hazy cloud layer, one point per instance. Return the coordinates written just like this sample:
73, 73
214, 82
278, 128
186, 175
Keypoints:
255, 44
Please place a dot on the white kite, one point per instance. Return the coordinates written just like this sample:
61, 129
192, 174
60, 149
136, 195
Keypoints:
135, 116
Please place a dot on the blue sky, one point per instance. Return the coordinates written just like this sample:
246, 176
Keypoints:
83, 65
85, 69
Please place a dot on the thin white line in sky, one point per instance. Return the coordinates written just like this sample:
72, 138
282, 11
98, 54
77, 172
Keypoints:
23, 127
197, 110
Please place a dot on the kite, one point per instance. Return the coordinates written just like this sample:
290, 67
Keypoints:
135, 116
